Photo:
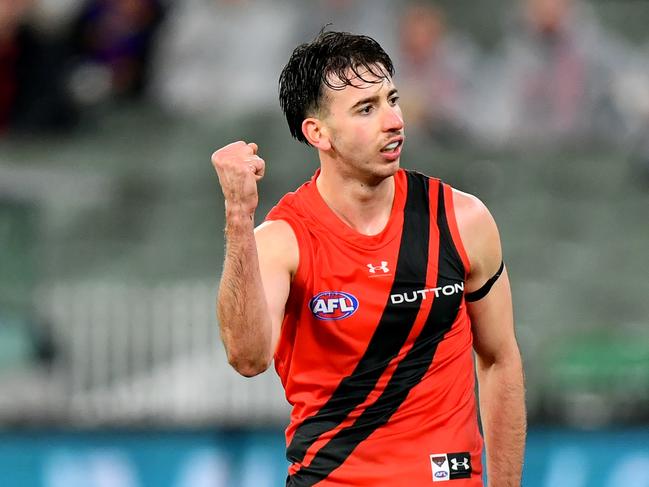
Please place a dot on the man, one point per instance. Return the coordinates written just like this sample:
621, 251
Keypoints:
369, 286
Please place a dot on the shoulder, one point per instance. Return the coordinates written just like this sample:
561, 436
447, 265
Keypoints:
276, 231
479, 234
277, 245
471, 213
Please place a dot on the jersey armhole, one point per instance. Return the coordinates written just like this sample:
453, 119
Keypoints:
280, 358
296, 294
452, 225
299, 233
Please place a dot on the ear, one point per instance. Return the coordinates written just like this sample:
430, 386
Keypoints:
316, 133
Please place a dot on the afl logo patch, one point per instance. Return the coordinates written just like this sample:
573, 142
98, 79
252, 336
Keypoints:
333, 305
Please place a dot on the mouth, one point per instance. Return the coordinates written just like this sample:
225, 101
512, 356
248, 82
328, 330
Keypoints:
393, 145
393, 148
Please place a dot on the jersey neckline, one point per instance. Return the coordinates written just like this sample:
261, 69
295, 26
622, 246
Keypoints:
319, 210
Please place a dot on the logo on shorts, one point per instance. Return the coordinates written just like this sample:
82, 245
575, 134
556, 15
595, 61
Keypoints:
450, 466
333, 305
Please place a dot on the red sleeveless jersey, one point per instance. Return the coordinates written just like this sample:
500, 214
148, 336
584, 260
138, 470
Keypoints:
375, 352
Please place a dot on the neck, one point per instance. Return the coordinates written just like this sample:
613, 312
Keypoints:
364, 205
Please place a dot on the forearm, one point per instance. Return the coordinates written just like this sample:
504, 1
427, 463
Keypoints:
241, 305
502, 410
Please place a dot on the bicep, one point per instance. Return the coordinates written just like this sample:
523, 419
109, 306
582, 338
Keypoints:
492, 322
480, 237
491, 316
278, 254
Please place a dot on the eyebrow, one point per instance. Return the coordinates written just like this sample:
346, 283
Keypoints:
372, 99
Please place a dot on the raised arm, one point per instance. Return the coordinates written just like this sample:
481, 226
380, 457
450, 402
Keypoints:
499, 365
258, 264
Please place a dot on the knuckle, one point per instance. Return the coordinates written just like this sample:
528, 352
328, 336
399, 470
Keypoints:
230, 149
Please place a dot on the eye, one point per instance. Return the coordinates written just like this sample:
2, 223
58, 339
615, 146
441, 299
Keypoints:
394, 100
367, 109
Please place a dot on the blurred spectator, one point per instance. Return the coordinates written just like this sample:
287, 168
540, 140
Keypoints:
223, 56
434, 72
561, 65
33, 97
554, 86
112, 40
375, 18
631, 91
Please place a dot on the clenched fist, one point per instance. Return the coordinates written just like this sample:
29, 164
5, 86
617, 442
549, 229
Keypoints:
239, 168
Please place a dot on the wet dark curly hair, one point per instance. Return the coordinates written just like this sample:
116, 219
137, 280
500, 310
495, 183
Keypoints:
332, 59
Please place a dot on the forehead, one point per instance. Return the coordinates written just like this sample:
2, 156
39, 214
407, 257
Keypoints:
356, 84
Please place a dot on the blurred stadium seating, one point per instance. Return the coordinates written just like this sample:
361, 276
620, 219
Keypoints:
122, 261
111, 248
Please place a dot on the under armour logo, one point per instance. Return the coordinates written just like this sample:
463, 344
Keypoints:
457, 467
455, 464
383, 267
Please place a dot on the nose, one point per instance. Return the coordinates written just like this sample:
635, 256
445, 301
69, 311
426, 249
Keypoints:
392, 119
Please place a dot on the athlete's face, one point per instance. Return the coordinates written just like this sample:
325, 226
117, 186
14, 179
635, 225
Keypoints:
365, 126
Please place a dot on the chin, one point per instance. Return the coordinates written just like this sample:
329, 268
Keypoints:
392, 167
385, 170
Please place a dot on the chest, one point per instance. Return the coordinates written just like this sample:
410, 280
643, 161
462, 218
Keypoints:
351, 293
